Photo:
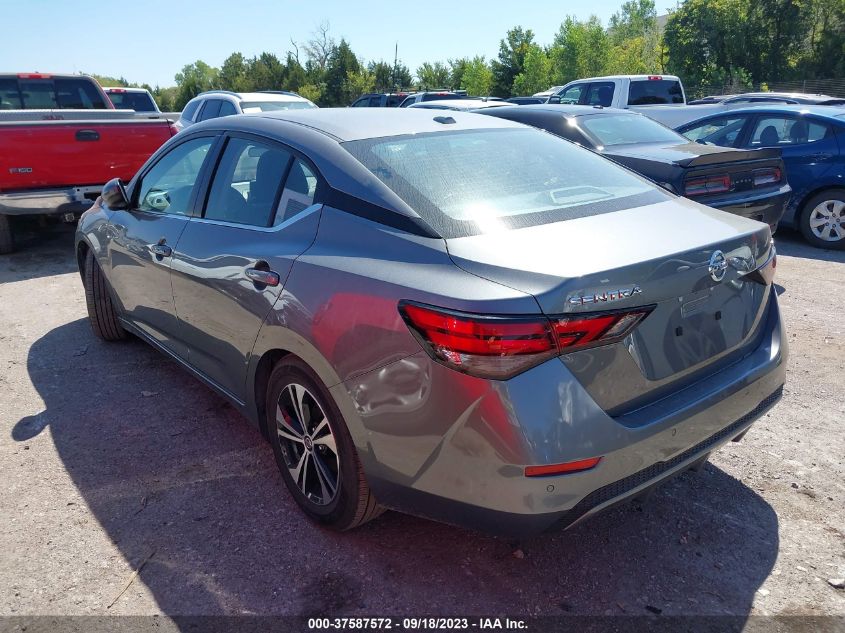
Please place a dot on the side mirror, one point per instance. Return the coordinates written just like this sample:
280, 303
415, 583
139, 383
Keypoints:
114, 195
554, 99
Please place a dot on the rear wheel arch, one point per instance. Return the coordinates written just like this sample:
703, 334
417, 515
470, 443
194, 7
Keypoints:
82, 249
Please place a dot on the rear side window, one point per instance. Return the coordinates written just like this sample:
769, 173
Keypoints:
775, 131
655, 92
10, 98
211, 110
600, 93
190, 110
437, 96
298, 194
479, 181
394, 100
246, 183
227, 108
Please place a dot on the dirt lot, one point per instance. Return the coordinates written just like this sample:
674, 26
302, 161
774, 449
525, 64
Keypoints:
111, 457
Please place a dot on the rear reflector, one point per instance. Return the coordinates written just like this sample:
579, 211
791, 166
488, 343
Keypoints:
562, 469
707, 185
501, 347
766, 176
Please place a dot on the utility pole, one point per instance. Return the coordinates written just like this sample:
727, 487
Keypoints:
395, 64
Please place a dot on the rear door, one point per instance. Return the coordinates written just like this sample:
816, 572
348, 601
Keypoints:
808, 146
143, 238
231, 264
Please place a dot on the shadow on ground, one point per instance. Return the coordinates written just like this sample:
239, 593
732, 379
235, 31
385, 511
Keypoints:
792, 244
169, 468
39, 251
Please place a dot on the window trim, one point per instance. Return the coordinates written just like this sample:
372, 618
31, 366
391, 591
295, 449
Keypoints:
198, 184
202, 200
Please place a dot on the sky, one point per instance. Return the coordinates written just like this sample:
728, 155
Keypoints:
150, 41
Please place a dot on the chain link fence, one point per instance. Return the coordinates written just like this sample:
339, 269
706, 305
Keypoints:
832, 87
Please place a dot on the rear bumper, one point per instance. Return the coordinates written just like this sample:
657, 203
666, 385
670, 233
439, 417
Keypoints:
768, 207
48, 201
455, 451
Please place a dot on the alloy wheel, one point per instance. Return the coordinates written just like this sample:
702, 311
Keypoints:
827, 220
308, 444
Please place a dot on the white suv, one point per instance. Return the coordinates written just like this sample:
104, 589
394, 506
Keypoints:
217, 103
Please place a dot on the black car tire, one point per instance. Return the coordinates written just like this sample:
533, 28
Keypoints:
353, 502
7, 240
101, 311
809, 211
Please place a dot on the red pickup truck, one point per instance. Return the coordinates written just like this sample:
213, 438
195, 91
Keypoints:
61, 139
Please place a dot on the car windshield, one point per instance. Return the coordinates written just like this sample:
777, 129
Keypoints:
269, 106
479, 181
621, 129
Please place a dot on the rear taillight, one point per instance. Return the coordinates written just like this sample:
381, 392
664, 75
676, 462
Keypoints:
655, 78
34, 76
707, 185
500, 347
766, 176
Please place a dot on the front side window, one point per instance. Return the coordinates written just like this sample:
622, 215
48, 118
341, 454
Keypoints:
722, 131
167, 187
777, 131
572, 94
246, 183
621, 129
655, 92
480, 181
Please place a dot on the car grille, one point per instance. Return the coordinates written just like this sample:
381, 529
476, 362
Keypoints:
622, 486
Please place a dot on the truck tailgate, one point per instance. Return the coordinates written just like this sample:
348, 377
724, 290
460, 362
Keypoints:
49, 154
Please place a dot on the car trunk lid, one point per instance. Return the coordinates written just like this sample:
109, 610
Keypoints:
658, 255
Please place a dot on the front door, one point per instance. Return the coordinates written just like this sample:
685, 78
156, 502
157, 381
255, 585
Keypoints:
144, 236
231, 263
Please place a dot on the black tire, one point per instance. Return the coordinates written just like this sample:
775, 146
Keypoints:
827, 206
101, 311
7, 240
352, 503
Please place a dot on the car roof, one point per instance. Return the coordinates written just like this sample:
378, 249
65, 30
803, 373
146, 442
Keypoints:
828, 112
452, 104
352, 124
567, 110
251, 96
632, 77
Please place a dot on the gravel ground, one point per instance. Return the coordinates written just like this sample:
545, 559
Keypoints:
112, 458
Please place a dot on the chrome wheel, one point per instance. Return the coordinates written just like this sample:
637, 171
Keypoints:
827, 220
308, 444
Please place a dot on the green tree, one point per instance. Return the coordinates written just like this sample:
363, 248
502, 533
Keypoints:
430, 76
536, 72
194, 79
477, 78
580, 49
509, 64
341, 64
233, 73
295, 76
457, 68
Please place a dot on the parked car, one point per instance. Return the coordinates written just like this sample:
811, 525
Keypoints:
748, 183
61, 138
137, 99
465, 104
380, 100
218, 103
436, 95
527, 100
812, 142
459, 317
785, 98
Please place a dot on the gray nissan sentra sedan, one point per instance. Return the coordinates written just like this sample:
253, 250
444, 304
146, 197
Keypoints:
449, 314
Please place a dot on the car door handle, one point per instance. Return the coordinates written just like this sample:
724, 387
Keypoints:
161, 250
821, 156
87, 135
262, 277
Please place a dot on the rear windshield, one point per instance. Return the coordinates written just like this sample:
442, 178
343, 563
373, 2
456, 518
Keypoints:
269, 106
620, 129
138, 101
48, 94
655, 92
441, 96
480, 181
